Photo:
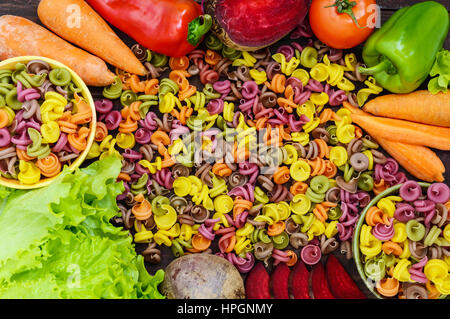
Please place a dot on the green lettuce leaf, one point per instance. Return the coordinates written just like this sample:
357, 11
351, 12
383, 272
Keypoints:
61, 244
441, 73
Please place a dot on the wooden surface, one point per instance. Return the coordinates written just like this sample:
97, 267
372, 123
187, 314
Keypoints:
28, 9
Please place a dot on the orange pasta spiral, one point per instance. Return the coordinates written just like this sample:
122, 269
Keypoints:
241, 205
182, 115
50, 165
180, 63
389, 247
23, 155
128, 125
277, 84
161, 139
276, 228
318, 166
142, 210
292, 257
151, 87
84, 112
375, 215
379, 187
135, 84
212, 57
100, 131
79, 139
388, 287
330, 169
324, 149
221, 169
321, 210
281, 175
326, 115
298, 188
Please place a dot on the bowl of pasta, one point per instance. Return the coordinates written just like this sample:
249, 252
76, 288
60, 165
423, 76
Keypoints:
47, 121
401, 239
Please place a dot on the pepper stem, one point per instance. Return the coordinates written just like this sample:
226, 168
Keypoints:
346, 6
384, 65
198, 28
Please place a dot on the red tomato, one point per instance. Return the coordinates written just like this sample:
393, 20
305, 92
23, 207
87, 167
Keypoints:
335, 26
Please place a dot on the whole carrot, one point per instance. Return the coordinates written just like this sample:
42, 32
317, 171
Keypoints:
20, 36
77, 22
419, 106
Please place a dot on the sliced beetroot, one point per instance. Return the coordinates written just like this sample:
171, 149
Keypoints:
299, 281
279, 281
256, 23
257, 283
340, 282
319, 284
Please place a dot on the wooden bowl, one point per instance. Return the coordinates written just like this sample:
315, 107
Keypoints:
9, 64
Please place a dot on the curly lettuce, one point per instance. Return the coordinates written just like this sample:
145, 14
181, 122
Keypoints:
58, 242
441, 73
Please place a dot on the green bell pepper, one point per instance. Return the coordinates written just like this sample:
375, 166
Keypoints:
401, 53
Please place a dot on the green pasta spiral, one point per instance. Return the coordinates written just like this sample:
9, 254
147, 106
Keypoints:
147, 102
231, 53
209, 92
375, 268
333, 140
127, 97
140, 186
319, 184
280, 241
213, 43
334, 213
166, 85
27, 80
114, 91
60, 77
415, 230
260, 235
369, 143
365, 181
158, 60
432, 235
157, 203
37, 148
5, 76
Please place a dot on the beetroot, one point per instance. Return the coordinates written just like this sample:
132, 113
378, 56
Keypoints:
257, 283
279, 281
249, 25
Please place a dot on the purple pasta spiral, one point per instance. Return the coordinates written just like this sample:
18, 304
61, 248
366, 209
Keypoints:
149, 121
384, 232
222, 87
143, 136
164, 178
314, 86
5, 137
215, 106
103, 106
243, 265
311, 254
206, 229
131, 155
62, 141
404, 212
416, 271
287, 51
438, 193
249, 169
112, 120
247, 192
410, 191
26, 94
249, 90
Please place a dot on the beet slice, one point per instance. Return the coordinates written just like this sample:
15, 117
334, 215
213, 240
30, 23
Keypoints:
257, 283
279, 281
247, 24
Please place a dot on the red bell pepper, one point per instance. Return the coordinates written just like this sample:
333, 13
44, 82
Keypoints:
169, 27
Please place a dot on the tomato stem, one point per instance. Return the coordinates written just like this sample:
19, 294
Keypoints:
346, 6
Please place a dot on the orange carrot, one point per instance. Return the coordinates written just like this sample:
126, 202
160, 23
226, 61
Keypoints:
20, 36
77, 22
419, 161
419, 106
402, 131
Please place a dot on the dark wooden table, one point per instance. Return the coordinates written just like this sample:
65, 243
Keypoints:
28, 9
